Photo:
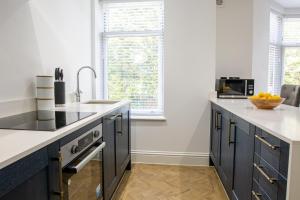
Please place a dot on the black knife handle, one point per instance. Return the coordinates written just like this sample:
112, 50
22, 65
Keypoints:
61, 74
56, 74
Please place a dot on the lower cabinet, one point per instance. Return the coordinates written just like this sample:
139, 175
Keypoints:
35, 188
109, 156
251, 163
123, 142
30, 178
116, 154
216, 123
227, 151
243, 161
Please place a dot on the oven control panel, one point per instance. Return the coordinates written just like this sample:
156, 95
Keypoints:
72, 149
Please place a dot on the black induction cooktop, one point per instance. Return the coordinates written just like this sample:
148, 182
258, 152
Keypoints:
42, 120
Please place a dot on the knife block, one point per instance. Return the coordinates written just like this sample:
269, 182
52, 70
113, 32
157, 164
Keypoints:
60, 93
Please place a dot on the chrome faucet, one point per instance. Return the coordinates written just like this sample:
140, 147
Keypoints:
78, 91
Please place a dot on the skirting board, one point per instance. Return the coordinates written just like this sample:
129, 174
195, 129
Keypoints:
170, 158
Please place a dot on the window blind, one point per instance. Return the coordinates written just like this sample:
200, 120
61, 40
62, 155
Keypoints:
291, 32
291, 53
133, 54
275, 53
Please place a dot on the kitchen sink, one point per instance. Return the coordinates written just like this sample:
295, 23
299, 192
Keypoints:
100, 102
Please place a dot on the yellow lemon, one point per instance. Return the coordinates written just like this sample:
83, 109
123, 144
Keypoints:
261, 94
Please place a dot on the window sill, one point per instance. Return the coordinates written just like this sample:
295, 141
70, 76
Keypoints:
149, 118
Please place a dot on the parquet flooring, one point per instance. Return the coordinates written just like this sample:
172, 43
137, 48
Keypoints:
158, 182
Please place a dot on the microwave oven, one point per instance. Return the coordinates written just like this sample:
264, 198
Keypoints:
234, 88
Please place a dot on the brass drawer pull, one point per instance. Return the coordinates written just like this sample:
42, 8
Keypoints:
260, 169
266, 142
256, 195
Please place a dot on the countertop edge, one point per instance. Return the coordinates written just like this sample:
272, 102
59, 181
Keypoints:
248, 119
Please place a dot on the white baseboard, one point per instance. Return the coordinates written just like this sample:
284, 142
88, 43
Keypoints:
170, 158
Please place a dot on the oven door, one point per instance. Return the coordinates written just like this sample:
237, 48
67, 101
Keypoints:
83, 178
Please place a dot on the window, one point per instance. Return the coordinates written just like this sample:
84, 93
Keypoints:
275, 69
133, 54
284, 52
291, 51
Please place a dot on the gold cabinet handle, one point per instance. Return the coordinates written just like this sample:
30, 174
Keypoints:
266, 142
256, 195
260, 169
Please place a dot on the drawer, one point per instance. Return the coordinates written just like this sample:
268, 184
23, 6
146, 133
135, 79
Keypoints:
273, 183
273, 150
258, 193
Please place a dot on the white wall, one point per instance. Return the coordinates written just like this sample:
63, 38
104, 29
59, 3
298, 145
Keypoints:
189, 78
261, 27
38, 35
234, 39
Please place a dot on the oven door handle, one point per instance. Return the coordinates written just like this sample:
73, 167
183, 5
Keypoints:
87, 159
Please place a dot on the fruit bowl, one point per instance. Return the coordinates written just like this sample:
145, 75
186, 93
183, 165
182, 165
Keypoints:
266, 103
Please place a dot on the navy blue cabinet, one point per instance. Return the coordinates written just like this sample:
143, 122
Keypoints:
243, 161
270, 166
216, 127
31, 178
227, 151
109, 155
251, 163
116, 154
123, 155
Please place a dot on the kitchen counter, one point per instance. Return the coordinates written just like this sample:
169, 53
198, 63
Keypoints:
282, 122
16, 144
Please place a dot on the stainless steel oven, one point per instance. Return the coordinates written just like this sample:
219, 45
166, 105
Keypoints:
82, 166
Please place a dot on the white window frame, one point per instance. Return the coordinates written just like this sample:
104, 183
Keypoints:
103, 65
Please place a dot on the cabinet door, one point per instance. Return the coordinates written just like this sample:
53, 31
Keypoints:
244, 148
227, 151
109, 156
122, 141
215, 136
25, 180
35, 188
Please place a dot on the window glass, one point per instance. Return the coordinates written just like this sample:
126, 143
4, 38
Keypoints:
133, 54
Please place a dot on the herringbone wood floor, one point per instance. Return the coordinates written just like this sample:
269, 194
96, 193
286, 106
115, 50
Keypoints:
157, 182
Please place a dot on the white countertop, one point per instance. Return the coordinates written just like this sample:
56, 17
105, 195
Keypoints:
16, 144
282, 122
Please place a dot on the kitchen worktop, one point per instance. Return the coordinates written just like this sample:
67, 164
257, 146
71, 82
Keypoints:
16, 144
282, 122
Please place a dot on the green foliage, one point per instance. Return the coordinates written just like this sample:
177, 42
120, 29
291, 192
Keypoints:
133, 70
292, 66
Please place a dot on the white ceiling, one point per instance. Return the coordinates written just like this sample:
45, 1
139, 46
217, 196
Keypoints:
289, 3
